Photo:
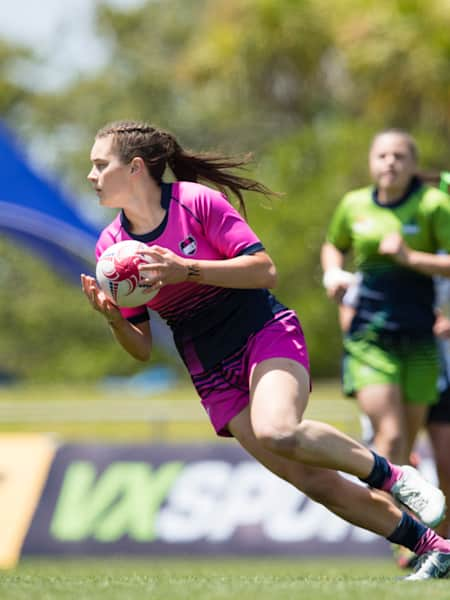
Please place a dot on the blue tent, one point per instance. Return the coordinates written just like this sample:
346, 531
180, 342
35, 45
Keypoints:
34, 213
38, 216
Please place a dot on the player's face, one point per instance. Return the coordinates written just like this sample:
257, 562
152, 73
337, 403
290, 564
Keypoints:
392, 164
109, 176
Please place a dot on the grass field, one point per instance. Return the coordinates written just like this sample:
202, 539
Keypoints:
275, 579
173, 579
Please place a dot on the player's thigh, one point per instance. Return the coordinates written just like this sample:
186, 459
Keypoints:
279, 391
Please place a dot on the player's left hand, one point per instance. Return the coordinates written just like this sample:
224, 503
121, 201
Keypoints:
394, 245
99, 300
166, 267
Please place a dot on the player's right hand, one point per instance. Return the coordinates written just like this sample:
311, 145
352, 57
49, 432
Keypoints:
99, 300
336, 282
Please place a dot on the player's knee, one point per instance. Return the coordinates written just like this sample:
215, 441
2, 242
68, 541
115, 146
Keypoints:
280, 440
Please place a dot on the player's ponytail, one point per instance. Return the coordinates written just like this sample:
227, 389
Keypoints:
439, 179
159, 148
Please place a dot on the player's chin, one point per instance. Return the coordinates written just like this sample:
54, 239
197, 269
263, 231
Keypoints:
108, 200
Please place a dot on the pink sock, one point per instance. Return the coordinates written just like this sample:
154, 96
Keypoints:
431, 541
396, 473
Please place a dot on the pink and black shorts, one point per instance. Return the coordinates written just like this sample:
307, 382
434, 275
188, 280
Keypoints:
224, 389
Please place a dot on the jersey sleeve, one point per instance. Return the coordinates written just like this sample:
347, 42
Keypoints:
225, 228
339, 230
441, 223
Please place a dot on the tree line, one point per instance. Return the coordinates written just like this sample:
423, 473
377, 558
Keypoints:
301, 83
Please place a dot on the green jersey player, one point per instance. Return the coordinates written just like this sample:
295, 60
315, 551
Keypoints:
394, 229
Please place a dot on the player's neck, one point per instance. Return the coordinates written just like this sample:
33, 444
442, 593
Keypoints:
145, 213
389, 196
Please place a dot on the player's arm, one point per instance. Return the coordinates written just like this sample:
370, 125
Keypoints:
136, 339
335, 280
429, 264
393, 245
247, 271
250, 271
441, 328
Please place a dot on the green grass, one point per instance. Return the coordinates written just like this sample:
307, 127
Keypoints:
247, 579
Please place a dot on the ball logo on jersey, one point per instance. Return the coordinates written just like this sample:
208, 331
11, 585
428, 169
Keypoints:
363, 225
188, 246
410, 228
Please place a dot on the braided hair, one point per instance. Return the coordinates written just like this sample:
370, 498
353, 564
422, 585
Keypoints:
159, 148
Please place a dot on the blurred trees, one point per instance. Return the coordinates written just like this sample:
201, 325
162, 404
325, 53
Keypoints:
303, 83
49, 331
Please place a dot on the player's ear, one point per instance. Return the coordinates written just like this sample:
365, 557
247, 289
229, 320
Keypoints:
136, 164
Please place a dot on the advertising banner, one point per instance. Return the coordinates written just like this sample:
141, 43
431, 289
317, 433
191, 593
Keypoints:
195, 500
24, 463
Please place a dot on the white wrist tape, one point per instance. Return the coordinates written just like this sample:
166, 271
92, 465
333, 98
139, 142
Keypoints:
336, 276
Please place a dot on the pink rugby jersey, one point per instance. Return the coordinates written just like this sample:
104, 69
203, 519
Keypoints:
208, 323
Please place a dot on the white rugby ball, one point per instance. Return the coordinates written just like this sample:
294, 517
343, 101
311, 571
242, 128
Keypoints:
118, 276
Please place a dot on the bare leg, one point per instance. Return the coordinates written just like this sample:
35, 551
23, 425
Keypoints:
383, 404
279, 394
279, 390
355, 503
416, 416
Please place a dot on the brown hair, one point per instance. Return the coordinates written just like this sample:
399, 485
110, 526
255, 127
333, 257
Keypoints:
159, 148
411, 142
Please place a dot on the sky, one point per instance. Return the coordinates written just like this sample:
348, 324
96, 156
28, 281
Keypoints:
43, 24
62, 33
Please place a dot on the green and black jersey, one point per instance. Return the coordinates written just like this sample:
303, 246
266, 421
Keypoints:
392, 299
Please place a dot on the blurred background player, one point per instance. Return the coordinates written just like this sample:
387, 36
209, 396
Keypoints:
438, 417
394, 229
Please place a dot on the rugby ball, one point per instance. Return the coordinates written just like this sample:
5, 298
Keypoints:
117, 273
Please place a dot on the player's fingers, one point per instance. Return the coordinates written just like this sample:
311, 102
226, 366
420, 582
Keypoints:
150, 269
155, 254
87, 289
84, 282
156, 285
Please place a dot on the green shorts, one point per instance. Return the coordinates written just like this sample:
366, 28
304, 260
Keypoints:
414, 366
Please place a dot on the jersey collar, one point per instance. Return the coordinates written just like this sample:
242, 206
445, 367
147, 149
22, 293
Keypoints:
166, 195
415, 184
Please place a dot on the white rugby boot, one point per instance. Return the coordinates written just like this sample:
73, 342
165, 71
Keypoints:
433, 565
422, 498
